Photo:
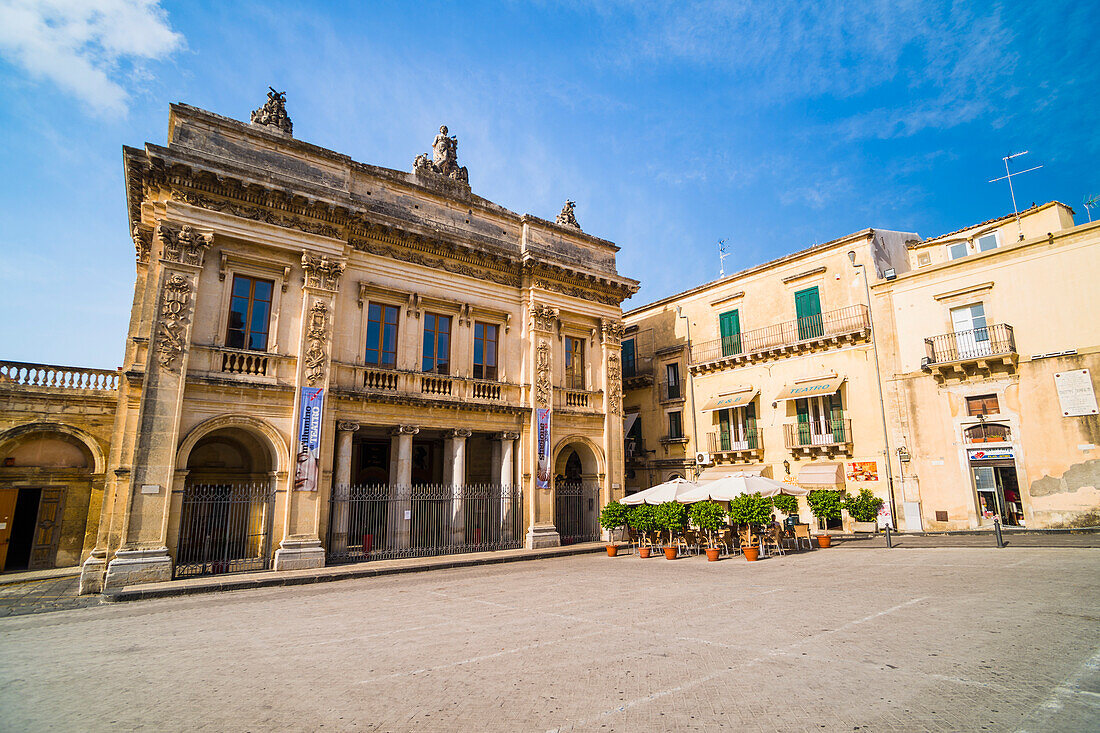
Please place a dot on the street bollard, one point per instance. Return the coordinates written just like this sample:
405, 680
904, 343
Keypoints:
997, 531
889, 541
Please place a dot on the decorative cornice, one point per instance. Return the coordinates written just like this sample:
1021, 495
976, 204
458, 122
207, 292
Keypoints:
254, 213
482, 270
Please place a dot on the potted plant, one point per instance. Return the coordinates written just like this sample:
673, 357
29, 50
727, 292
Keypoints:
753, 511
670, 517
612, 517
825, 505
641, 519
709, 517
863, 509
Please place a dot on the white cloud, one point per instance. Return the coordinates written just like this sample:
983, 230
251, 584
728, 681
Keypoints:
83, 45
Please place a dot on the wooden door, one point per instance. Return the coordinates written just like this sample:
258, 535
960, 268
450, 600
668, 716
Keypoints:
8, 497
47, 530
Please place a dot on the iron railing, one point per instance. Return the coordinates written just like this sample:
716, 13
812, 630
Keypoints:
380, 522
640, 365
576, 511
831, 431
735, 439
224, 528
993, 340
843, 321
57, 377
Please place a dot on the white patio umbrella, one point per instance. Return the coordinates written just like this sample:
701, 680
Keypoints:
659, 494
732, 486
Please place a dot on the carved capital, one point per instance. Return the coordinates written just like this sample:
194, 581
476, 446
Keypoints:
508, 436
461, 432
185, 246
143, 243
405, 430
543, 317
175, 312
346, 426
321, 272
612, 331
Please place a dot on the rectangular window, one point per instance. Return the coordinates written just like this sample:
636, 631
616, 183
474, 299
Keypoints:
437, 344
485, 350
675, 425
629, 359
672, 380
382, 335
574, 363
249, 313
924, 258
729, 326
956, 251
986, 243
985, 404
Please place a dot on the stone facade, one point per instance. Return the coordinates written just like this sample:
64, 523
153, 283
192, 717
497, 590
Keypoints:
277, 279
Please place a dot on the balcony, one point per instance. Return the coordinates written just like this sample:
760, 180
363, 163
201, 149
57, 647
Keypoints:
578, 400
789, 337
637, 372
53, 378
393, 385
819, 436
672, 392
738, 443
974, 353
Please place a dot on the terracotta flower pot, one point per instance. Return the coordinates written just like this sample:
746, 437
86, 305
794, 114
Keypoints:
612, 550
670, 553
712, 554
643, 552
752, 553
824, 540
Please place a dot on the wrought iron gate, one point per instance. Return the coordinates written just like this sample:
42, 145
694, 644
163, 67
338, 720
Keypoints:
224, 528
379, 522
576, 512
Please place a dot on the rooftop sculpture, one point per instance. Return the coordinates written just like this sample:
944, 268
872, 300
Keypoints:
273, 112
444, 161
566, 218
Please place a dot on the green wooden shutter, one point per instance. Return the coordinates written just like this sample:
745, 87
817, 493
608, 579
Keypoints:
807, 307
729, 324
836, 416
628, 358
802, 408
750, 424
723, 430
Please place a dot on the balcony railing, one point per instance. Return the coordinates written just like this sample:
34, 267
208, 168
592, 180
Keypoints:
973, 345
735, 439
828, 433
62, 378
376, 380
578, 399
639, 365
672, 391
254, 363
844, 322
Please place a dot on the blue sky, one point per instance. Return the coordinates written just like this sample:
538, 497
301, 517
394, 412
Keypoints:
673, 125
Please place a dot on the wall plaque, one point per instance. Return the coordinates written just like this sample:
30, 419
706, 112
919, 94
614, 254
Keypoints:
1075, 393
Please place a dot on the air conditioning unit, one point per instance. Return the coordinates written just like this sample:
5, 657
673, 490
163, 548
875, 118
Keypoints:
926, 364
703, 459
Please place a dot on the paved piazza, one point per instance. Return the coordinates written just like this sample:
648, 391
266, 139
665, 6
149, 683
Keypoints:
869, 640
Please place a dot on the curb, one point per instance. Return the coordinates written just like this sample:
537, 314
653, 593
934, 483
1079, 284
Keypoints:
339, 572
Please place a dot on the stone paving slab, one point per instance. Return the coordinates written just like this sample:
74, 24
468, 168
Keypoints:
881, 640
40, 596
25, 576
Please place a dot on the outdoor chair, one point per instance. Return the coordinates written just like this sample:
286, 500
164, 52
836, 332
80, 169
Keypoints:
802, 533
725, 538
689, 541
772, 537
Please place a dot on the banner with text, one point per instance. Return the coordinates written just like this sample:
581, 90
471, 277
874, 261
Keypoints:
542, 431
309, 439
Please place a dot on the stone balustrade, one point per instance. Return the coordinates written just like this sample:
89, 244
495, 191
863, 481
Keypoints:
430, 386
54, 377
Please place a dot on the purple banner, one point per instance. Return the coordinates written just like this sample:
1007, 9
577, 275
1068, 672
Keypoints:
542, 434
309, 439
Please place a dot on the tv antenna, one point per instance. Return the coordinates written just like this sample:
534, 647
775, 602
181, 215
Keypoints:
723, 253
1008, 175
1090, 201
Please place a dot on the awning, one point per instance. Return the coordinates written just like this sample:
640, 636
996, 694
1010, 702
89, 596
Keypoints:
716, 472
821, 474
810, 388
628, 422
726, 401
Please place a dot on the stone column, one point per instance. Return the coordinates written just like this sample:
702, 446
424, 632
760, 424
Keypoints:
613, 448
454, 461
541, 531
341, 489
397, 525
301, 542
144, 491
506, 475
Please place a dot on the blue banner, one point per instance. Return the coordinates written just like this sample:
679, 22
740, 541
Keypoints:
542, 433
309, 439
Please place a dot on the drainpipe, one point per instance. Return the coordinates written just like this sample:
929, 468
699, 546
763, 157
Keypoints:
878, 382
691, 386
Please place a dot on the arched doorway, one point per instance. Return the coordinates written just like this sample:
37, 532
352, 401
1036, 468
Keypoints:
576, 494
46, 480
228, 504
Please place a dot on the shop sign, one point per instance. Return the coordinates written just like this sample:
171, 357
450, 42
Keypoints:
990, 454
862, 471
1075, 393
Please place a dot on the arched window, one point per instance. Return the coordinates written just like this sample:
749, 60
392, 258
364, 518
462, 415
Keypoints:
986, 433
573, 467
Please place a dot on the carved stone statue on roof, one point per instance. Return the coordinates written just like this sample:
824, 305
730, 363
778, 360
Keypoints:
566, 217
273, 112
444, 160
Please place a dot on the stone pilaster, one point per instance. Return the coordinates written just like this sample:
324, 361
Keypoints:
143, 495
540, 326
611, 332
